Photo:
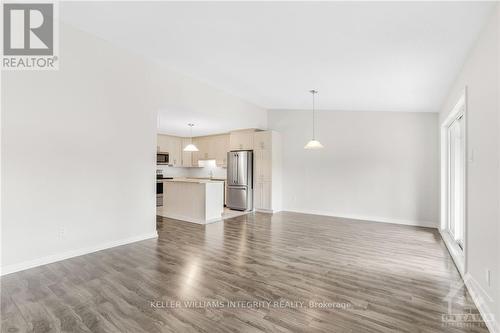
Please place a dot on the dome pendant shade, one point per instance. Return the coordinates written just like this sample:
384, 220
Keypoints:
190, 147
313, 144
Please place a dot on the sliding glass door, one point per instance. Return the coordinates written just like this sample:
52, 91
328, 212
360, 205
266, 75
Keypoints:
456, 179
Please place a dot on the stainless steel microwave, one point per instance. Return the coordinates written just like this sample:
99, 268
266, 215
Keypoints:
162, 158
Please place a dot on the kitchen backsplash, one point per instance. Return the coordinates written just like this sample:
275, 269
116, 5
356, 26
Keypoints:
217, 172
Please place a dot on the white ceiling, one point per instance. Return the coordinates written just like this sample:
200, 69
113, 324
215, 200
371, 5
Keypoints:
174, 121
394, 56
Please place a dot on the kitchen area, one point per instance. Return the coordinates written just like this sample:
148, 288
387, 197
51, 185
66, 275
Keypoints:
205, 179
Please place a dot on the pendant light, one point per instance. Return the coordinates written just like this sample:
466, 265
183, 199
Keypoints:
191, 147
313, 144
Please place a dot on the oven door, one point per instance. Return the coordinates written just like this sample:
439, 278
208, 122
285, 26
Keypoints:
159, 188
159, 194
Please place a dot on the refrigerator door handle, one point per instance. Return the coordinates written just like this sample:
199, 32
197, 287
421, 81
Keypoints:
237, 168
233, 169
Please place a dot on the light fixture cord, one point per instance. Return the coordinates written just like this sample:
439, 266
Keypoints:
314, 122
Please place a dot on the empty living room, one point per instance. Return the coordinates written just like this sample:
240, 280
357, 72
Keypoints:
250, 166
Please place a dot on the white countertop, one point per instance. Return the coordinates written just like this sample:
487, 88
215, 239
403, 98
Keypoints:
190, 180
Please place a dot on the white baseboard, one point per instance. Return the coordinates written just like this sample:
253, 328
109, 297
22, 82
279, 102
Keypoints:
73, 253
477, 296
427, 224
267, 211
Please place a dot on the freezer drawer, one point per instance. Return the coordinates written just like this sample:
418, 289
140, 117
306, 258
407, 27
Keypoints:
237, 197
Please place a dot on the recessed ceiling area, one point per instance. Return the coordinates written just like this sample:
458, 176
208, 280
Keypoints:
175, 122
380, 56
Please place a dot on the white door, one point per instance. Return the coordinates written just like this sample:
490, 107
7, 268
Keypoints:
456, 180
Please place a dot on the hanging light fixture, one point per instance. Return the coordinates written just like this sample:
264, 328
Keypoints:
191, 147
313, 144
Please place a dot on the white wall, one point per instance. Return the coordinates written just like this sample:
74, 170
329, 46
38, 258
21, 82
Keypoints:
380, 166
63, 134
66, 189
496, 278
480, 75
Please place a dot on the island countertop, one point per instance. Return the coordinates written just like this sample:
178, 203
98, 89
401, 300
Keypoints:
190, 180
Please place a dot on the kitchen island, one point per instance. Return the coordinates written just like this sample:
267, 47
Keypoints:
193, 200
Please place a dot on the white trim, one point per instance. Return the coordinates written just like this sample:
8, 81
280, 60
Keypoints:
456, 253
427, 224
267, 211
477, 294
460, 107
73, 253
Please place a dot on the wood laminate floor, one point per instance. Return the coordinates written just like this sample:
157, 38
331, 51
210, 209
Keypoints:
369, 277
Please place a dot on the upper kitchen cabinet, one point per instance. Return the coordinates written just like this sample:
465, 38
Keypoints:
263, 140
171, 145
221, 144
187, 156
175, 153
241, 140
202, 154
162, 143
213, 147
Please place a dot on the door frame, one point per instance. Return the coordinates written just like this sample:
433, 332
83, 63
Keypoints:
458, 254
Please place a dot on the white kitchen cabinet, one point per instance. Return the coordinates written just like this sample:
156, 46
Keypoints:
263, 164
241, 140
202, 154
187, 157
263, 140
263, 197
195, 155
267, 169
175, 152
162, 143
171, 145
221, 148
213, 147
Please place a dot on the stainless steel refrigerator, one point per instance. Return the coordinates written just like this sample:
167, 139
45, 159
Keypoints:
240, 180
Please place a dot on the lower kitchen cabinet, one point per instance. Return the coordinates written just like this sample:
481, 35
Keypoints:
263, 196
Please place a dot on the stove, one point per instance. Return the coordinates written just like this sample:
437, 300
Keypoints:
159, 187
